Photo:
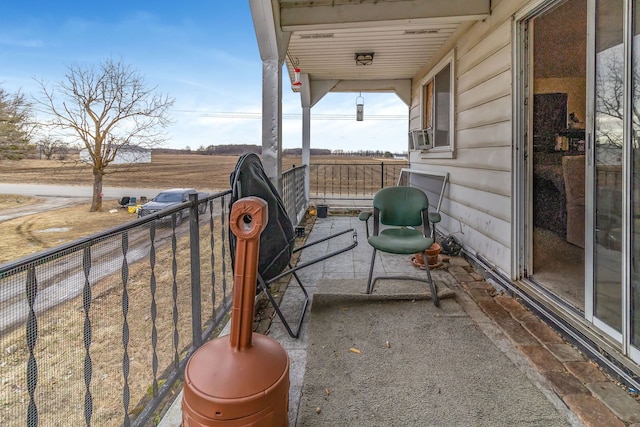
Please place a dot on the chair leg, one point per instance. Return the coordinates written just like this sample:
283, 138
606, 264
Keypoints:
432, 284
264, 287
369, 283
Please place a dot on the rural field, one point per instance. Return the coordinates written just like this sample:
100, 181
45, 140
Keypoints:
165, 170
32, 233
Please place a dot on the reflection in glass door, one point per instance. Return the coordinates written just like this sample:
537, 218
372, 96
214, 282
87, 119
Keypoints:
635, 182
608, 155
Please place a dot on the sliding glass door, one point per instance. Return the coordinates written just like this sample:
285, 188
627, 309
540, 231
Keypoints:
601, 223
608, 155
635, 185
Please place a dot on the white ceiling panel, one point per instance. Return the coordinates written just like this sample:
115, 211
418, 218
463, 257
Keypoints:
404, 35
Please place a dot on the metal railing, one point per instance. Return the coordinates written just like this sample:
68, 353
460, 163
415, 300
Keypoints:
98, 331
354, 181
293, 195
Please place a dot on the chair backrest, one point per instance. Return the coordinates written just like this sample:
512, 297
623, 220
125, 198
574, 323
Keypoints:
278, 238
401, 206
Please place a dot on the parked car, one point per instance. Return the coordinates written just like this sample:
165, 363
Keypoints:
169, 198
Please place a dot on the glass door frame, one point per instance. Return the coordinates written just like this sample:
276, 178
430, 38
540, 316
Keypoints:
624, 336
521, 226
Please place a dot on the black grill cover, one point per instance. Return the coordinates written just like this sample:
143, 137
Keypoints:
278, 238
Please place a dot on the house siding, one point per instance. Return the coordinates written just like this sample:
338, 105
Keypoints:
477, 205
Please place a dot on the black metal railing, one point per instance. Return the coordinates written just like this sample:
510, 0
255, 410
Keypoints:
98, 331
354, 181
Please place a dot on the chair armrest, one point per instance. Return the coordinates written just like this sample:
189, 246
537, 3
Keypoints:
434, 217
364, 216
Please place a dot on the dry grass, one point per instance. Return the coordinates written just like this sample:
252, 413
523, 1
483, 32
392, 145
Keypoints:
10, 201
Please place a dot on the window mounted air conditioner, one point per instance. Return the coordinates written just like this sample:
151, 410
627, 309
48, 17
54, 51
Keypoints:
421, 139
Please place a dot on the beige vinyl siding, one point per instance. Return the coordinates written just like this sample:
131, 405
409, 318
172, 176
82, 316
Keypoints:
489, 135
474, 57
492, 112
477, 207
499, 85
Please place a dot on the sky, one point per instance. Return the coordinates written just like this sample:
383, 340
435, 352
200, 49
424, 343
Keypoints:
202, 53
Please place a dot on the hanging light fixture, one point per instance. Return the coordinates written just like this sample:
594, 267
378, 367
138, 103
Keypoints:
360, 108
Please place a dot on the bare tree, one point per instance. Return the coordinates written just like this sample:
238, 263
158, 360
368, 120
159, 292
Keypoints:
107, 107
49, 147
609, 97
15, 126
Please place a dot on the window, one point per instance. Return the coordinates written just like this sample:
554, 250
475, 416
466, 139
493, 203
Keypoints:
436, 134
440, 105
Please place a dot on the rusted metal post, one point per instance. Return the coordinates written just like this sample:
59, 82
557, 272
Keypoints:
241, 379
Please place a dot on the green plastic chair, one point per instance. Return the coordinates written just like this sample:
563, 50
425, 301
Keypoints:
402, 209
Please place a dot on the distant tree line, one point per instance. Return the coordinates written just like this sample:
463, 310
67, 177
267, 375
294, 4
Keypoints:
227, 149
364, 153
239, 149
313, 151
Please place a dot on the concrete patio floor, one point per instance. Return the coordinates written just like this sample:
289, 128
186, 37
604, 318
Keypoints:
554, 375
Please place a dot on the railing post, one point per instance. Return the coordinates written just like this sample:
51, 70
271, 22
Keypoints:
295, 194
194, 243
32, 339
381, 174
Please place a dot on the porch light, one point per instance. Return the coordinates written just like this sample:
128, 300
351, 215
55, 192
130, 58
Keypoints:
364, 58
359, 108
296, 79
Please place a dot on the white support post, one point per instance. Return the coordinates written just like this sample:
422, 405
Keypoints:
272, 120
306, 149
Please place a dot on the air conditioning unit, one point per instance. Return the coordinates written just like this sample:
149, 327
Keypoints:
420, 139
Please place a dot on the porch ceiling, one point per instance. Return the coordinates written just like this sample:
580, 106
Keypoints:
324, 36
